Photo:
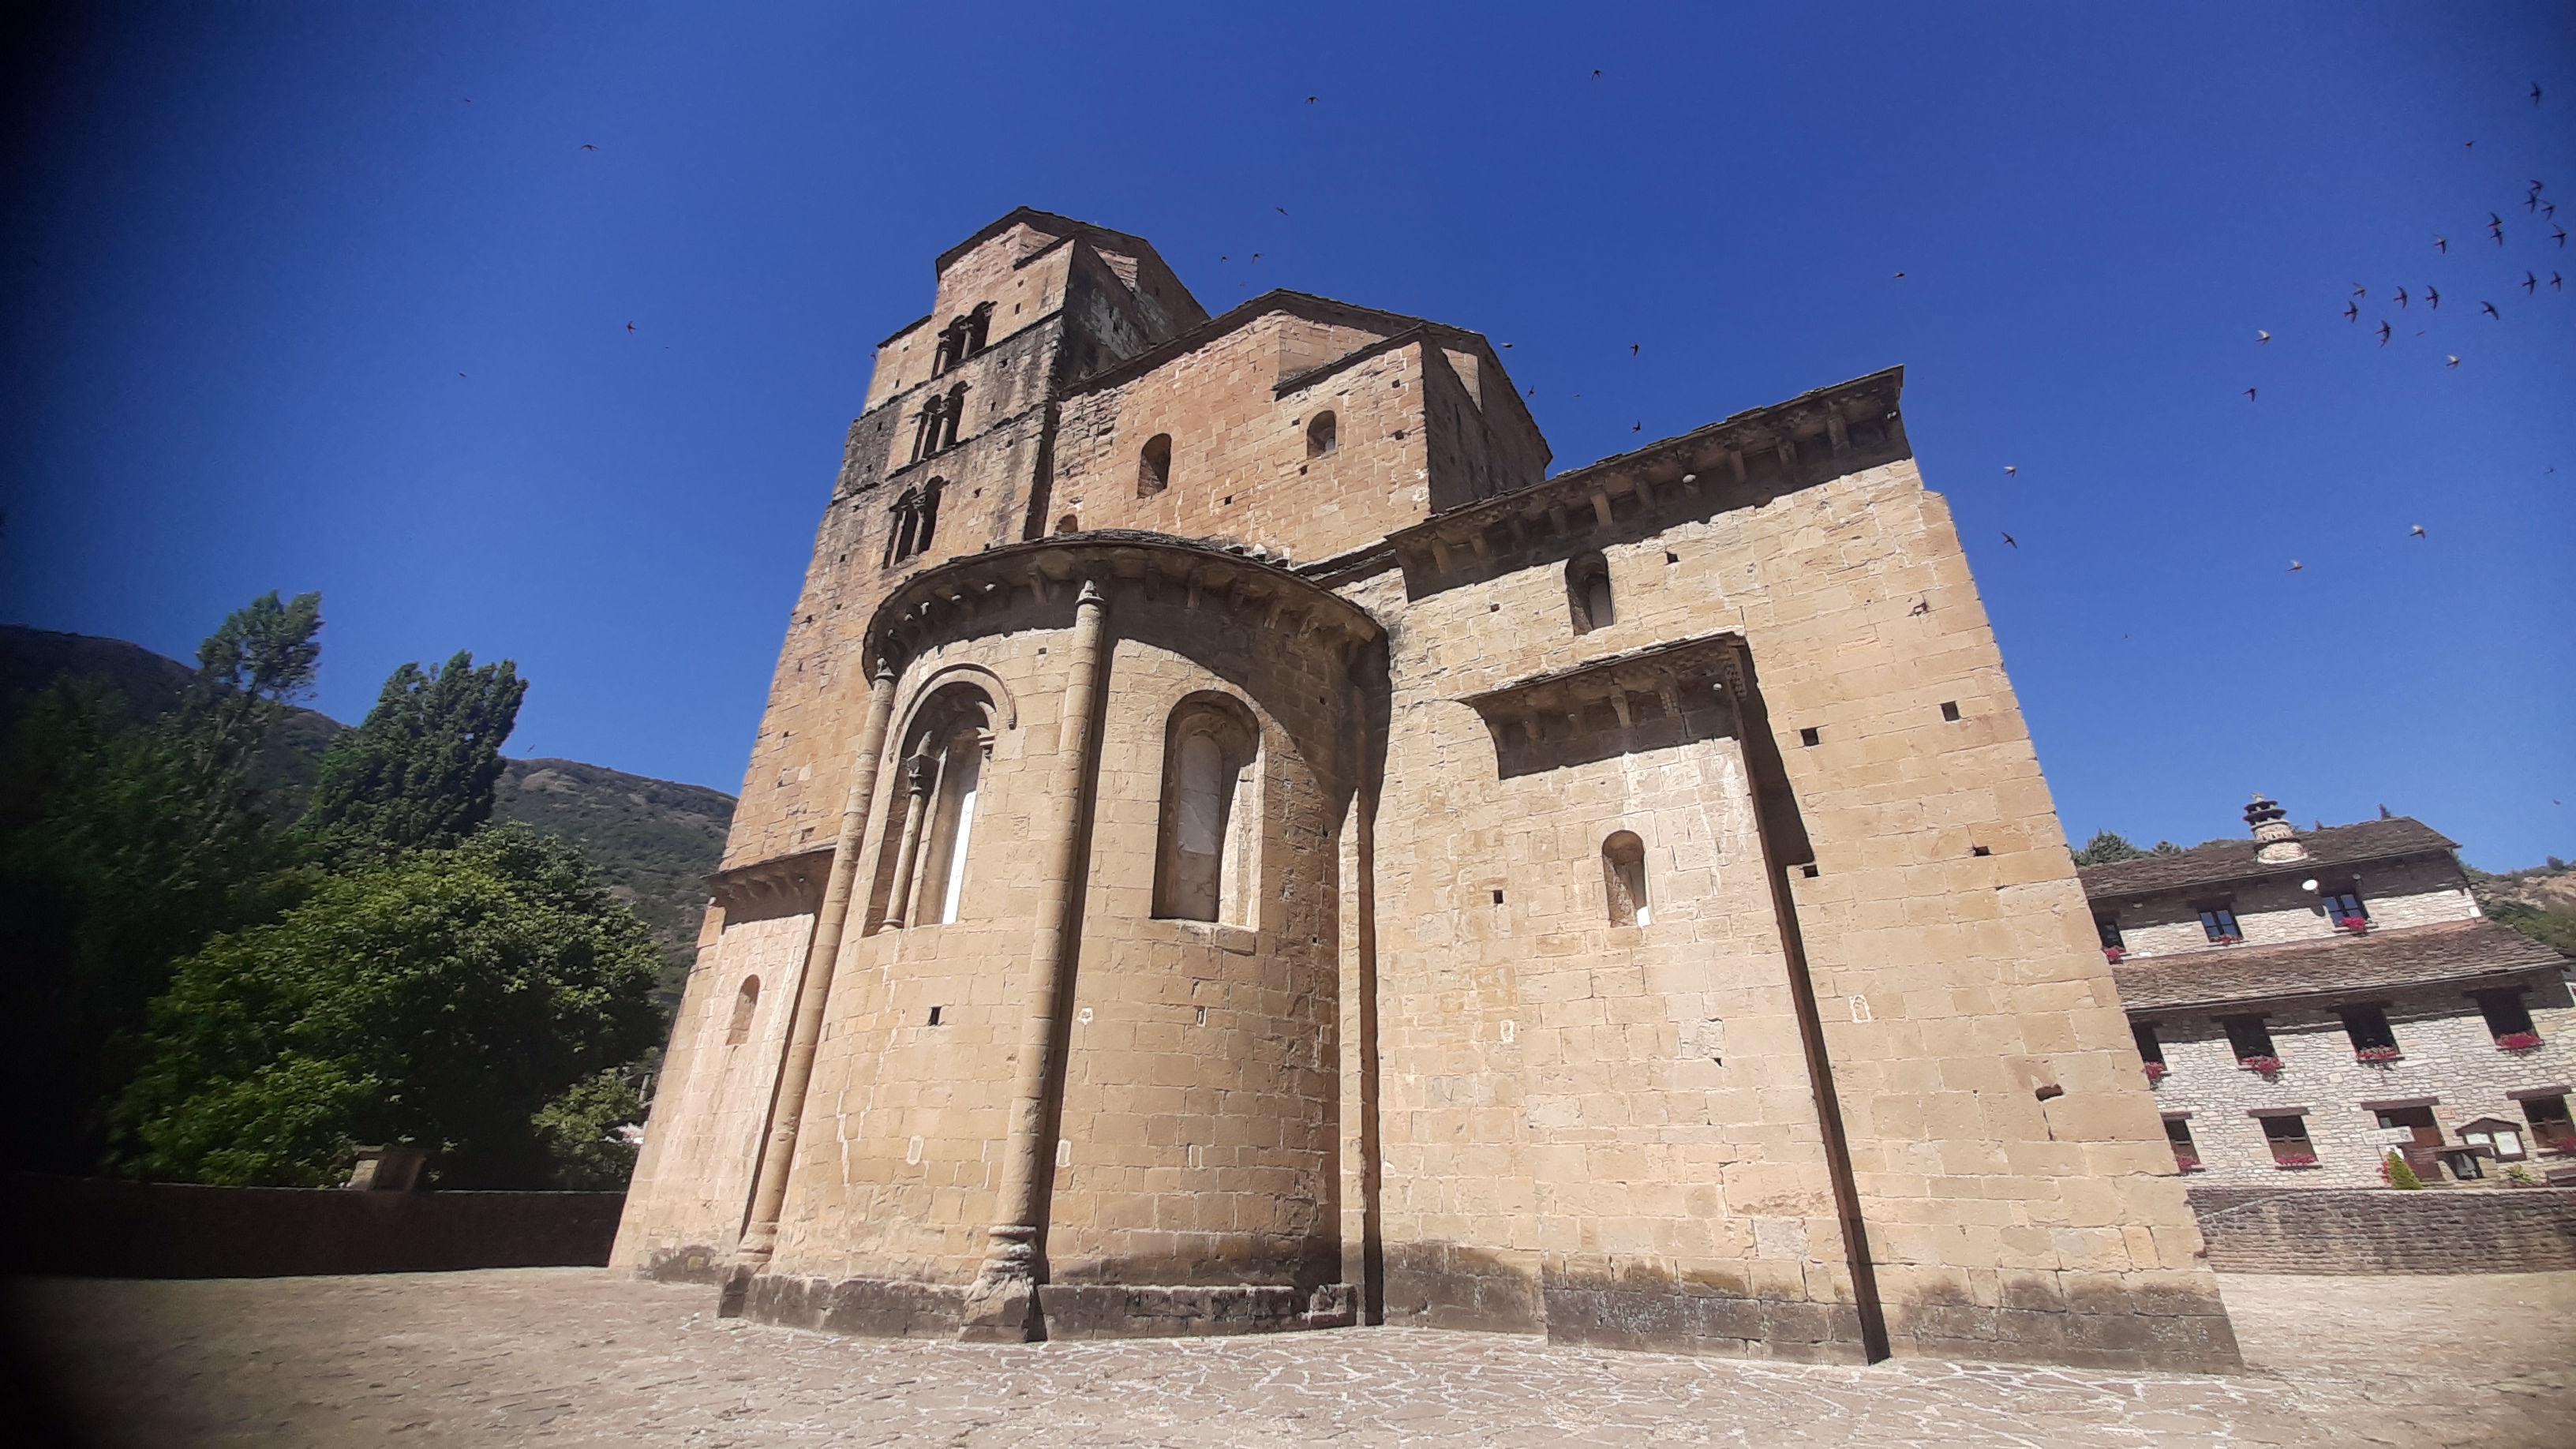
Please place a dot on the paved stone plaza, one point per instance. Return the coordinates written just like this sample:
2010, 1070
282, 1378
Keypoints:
574, 1356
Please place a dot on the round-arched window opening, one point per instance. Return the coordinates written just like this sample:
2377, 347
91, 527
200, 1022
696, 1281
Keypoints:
1207, 864
1623, 877
1068, 524
1323, 435
1154, 466
745, 1001
1587, 593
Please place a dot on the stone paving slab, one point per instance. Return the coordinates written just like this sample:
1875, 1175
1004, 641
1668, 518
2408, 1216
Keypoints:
574, 1356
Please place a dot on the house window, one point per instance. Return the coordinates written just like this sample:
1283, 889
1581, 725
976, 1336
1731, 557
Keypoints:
2550, 1126
2507, 1018
2218, 923
2149, 1048
2108, 927
1587, 593
1623, 877
1323, 435
1207, 865
745, 1001
2186, 1152
2288, 1139
2344, 909
2247, 1038
2504, 1139
2368, 1028
1154, 466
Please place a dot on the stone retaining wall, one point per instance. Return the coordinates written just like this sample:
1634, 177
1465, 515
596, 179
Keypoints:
98, 1228
2334, 1231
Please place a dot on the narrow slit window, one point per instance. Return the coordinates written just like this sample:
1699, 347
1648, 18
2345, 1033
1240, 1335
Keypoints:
1154, 466
745, 1001
1323, 435
1587, 593
1207, 865
1623, 878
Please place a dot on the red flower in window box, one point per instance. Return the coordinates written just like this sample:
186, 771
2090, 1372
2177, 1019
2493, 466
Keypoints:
2376, 1056
2295, 1160
2354, 924
2227, 940
2188, 1164
2155, 1073
2518, 1041
2114, 954
2268, 1066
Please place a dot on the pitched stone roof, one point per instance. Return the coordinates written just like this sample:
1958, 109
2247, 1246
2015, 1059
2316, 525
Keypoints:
2230, 860
2462, 951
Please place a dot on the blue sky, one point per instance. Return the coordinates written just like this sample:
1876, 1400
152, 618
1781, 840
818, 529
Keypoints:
253, 248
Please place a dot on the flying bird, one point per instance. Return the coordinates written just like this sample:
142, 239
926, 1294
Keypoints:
1632, 349
2529, 282
2417, 532
1507, 347
588, 147
2008, 538
2557, 283
2295, 565
2249, 394
1638, 428
1310, 100
2359, 290
1256, 256
2443, 243
2401, 296
1900, 274
1596, 75
2454, 360
2489, 309
2535, 100
2468, 145
2561, 234
2432, 298
1283, 211
630, 326
2010, 470
2352, 311
2261, 336
2383, 334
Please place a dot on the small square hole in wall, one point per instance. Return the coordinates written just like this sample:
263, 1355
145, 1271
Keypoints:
1498, 898
1810, 736
934, 1014
1493, 608
1808, 871
1979, 850
1228, 502
1949, 709
1202, 1021
1672, 558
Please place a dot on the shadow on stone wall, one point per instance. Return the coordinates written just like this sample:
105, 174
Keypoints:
100, 1228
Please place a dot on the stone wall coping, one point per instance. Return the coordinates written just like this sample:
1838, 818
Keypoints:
2525, 1094
2278, 1111
2394, 1103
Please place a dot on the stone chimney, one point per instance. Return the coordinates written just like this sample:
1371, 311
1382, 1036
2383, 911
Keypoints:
2280, 842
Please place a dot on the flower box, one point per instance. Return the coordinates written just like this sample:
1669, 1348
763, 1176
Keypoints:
2354, 924
2188, 1164
2268, 1066
2226, 940
2155, 1073
2518, 1041
2377, 1056
2295, 1160
2114, 954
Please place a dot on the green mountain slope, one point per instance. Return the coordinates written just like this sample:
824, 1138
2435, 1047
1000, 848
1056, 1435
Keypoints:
653, 840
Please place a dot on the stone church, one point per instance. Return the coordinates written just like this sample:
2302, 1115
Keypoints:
1236, 844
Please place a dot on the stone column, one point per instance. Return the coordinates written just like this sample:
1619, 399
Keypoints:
916, 782
760, 1231
1003, 1306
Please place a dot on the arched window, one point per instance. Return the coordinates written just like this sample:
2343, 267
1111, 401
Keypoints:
1068, 524
1207, 865
951, 415
1587, 593
934, 809
903, 525
929, 515
745, 1000
1623, 876
1323, 435
1154, 466
925, 427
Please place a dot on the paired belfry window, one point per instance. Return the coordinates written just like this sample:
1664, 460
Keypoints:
1623, 879
934, 428
1207, 864
912, 522
1587, 593
962, 338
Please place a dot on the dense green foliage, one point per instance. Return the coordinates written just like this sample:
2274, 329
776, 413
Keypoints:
654, 842
208, 988
445, 1001
419, 773
2105, 847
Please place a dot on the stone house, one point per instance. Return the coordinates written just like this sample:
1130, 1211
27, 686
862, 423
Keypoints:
1237, 844
2306, 1003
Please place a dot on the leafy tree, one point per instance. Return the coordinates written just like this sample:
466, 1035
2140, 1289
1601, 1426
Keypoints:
129, 846
592, 1132
449, 1000
420, 772
2105, 847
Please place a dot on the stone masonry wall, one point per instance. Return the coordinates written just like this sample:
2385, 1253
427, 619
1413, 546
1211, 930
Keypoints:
2333, 1232
2396, 893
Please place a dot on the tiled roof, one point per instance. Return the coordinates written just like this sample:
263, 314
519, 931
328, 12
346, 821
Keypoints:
2464, 951
2229, 860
